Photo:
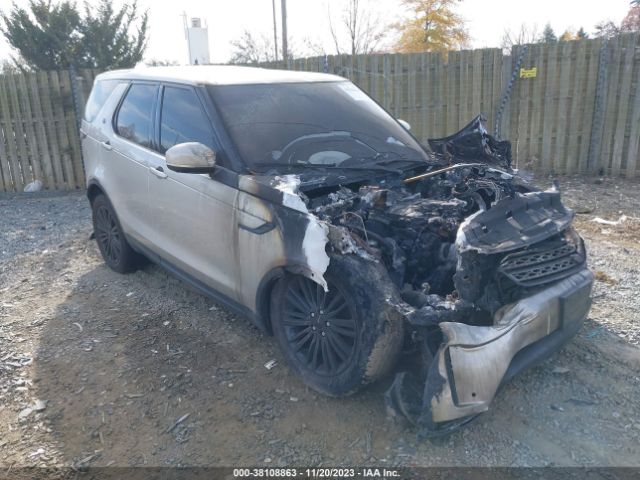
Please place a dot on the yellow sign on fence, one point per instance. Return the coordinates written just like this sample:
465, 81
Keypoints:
529, 72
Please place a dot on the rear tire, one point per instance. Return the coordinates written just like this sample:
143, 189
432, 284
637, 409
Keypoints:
115, 250
340, 340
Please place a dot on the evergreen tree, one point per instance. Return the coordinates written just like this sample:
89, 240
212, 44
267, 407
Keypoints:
52, 36
46, 36
548, 35
107, 38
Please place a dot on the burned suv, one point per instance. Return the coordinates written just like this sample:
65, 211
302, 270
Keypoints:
296, 200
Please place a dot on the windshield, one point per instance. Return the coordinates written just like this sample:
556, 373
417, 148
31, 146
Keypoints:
332, 124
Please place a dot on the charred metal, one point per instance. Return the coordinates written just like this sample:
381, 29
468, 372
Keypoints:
473, 143
485, 270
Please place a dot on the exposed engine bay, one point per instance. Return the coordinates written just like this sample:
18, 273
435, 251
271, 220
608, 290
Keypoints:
479, 258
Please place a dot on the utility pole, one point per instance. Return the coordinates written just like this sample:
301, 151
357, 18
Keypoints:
186, 34
285, 53
275, 29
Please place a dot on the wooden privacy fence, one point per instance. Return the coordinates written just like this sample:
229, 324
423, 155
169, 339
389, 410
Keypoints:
39, 138
581, 113
574, 107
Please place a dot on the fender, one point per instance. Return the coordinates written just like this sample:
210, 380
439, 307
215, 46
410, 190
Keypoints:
93, 188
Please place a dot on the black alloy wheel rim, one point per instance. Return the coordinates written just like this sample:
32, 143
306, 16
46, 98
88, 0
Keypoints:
108, 234
320, 327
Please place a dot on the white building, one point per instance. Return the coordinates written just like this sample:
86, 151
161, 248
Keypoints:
197, 42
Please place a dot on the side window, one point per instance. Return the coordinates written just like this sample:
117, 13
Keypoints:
134, 116
99, 93
183, 120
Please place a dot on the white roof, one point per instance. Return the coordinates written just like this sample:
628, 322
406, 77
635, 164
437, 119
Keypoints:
218, 75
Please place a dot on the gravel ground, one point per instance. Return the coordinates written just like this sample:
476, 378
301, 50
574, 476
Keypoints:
100, 369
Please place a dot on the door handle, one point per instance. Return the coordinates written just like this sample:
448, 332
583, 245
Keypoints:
158, 172
106, 145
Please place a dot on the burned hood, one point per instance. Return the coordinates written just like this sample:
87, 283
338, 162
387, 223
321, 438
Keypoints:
381, 165
473, 143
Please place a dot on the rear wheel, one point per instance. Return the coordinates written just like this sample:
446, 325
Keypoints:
339, 340
115, 249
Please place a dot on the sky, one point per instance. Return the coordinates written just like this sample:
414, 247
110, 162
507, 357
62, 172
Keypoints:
308, 21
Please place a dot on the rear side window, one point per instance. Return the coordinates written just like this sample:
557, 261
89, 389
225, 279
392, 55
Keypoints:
99, 94
183, 120
134, 117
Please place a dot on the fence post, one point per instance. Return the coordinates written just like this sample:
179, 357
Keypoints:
633, 152
597, 126
75, 94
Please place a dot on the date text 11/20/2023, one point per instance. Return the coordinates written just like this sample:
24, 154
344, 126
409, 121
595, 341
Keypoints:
315, 473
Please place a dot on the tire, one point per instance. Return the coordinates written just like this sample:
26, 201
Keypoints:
115, 250
341, 340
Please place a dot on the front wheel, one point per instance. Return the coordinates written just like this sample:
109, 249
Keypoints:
340, 340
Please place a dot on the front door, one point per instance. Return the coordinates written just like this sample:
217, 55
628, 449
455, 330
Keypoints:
193, 214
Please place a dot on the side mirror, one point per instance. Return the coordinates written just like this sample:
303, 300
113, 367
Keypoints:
405, 124
190, 157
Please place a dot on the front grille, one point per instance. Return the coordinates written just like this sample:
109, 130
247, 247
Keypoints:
546, 263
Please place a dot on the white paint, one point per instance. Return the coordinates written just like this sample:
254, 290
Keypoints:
315, 236
313, 247
219, 75
462, 245
288, 185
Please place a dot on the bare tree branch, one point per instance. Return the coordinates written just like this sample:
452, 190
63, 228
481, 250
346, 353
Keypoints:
360, 28
334, 36
251, 49
525, 34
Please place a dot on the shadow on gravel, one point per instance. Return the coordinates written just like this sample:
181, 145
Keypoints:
128, 370
139, 370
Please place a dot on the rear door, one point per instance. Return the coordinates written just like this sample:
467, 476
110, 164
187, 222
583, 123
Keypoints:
127, 153
96, 129
193, 214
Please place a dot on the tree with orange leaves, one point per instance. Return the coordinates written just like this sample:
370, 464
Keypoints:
432, 26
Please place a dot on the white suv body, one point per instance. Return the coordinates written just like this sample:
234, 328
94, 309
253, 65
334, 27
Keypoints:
296, 200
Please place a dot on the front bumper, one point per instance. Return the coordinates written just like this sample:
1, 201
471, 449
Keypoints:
473, 361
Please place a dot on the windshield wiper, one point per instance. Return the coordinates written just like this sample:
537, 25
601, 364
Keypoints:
375, 166
398, 158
